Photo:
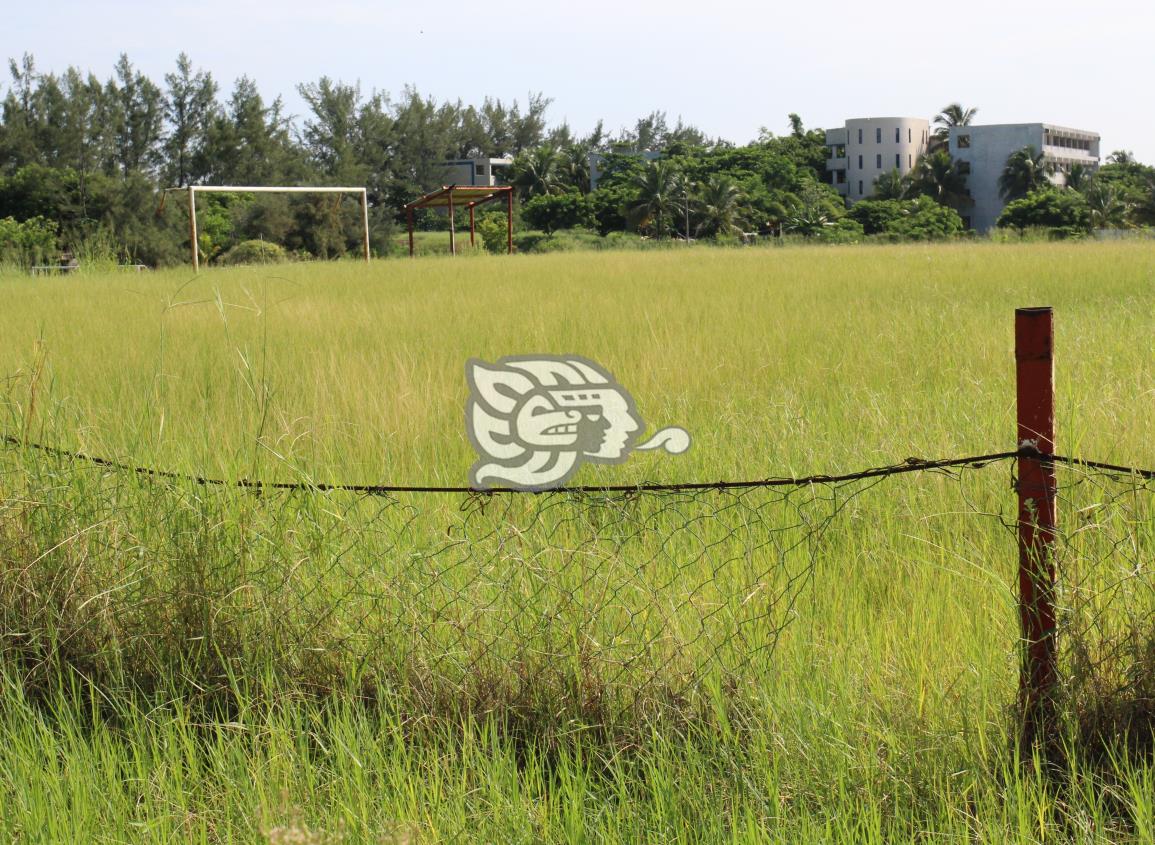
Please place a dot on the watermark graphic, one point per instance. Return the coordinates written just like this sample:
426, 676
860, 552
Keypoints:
535, 419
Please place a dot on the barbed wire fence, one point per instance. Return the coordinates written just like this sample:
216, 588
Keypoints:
586, 603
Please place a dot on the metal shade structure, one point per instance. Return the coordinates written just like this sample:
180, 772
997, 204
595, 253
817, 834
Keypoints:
452, 197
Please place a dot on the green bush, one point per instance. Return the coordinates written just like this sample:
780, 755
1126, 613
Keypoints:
538, 242
492, 226
550, 212
876, 215
920, 219
842, 231
32, 241
1064, 213
254, 252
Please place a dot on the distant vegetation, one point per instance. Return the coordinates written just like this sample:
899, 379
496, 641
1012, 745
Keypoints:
82, 160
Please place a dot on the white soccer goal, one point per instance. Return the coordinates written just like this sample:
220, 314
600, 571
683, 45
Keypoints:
193, 190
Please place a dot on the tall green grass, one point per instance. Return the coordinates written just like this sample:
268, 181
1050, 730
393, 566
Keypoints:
196, 664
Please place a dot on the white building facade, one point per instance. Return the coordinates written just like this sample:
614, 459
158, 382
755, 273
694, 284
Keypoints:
485, 172
982, 153
866, 148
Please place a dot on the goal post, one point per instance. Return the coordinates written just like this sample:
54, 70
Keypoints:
193, 190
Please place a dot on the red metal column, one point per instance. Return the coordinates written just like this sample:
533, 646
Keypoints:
452, 228
409, 216
1034, 344
509, 221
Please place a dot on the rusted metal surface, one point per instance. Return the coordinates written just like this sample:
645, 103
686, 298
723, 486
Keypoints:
1034, 362
450, 196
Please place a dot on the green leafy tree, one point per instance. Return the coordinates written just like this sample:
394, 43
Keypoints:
190, 106
923, 219
916, 219
1135, 184
28, 242
610, 204
137, 118
1064, 212
550, 212
1026, 170
251, 144
876, 214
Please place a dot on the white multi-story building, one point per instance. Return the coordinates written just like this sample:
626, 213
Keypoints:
982, 153
865, 148
485, 172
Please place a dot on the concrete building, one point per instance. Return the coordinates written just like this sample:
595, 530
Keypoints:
485, 172
982, 153
865, 148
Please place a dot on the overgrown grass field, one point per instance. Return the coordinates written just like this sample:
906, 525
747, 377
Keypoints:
203, 664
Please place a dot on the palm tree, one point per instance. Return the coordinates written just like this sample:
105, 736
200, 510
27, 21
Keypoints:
574, 166
535, 172
1026, 170
809, 215
891, 185
657, 196
1078, 178
683, 191
1109, 208
951, 116
720, 206
938, 177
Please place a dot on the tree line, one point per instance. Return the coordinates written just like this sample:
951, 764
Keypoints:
82, 161
85, 157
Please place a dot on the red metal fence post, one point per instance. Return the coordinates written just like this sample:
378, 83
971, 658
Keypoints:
509, 221
1034, 345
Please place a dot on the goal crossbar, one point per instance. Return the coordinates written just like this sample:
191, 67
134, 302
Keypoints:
193, 190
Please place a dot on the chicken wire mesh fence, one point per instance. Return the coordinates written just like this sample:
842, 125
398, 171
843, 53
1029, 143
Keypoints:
601, 606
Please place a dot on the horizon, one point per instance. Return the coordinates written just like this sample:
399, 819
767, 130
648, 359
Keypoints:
629, 66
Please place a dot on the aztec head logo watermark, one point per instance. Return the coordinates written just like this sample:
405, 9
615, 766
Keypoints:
535, 419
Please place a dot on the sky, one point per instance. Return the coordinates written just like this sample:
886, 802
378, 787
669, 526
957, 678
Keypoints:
728, 67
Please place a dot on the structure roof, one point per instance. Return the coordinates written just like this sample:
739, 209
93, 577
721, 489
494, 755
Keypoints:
465, 195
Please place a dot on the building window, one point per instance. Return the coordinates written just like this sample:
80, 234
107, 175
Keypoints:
908, 134
860, 187
860, 161
898, 135
964, 142
878, 161
840, 177
964, 168
878, 135
840, 151
860, 136
897, 160
909, 160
